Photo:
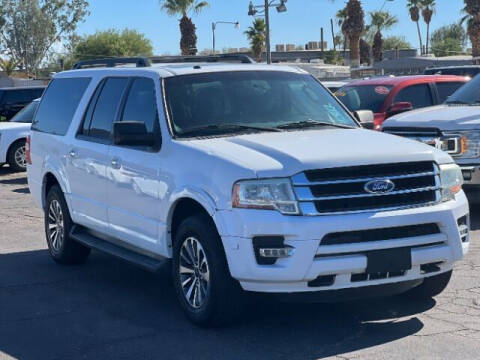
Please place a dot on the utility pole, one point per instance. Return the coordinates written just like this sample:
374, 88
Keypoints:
267, 33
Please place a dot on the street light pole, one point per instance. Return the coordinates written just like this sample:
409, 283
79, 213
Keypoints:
214, 27
267, 33
252, 11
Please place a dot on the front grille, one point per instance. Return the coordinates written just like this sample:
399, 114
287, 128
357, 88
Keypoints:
346, 189
391, 233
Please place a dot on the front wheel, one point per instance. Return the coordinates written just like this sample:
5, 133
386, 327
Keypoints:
207, 293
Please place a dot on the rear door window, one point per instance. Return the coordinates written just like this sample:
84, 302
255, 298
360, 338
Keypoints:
59, 104
445, 89
418, 95
106, 108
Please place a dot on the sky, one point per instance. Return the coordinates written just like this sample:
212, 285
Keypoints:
300, 24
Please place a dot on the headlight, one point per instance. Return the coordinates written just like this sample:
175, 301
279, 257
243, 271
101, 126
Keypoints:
451, 180
271, 194
468, 144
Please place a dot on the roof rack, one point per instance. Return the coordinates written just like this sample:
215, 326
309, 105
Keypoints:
112, 62
232, 58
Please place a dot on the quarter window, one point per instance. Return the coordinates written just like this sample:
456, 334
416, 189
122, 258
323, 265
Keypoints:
59, 104
418, 95
445, 89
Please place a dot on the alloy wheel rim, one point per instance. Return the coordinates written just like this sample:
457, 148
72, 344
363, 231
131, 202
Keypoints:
21, 157
194, 272
55, 225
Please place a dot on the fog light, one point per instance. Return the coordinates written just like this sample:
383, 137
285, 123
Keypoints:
276, 252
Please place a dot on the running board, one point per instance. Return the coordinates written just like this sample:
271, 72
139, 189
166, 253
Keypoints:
143, 261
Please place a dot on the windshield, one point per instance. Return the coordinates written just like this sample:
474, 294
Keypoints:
249, 101
26, 114
467, 94
364, 97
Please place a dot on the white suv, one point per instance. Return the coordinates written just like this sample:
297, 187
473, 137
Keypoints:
249, 177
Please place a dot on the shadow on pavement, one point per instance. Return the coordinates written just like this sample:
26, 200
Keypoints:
107, 309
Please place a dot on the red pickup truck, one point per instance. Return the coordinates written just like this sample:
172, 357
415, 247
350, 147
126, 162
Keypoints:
387, 96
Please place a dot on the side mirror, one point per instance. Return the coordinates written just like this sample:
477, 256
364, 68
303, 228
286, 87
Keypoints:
365, 117
132, 133
399, 107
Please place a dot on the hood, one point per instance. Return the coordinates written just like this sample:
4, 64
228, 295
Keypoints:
287, 153
14, 126
443, 117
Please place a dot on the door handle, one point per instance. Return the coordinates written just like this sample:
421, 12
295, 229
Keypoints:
115, 163
72, 153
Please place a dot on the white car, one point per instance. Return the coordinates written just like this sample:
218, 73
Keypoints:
249, 177
13, 135
453, 127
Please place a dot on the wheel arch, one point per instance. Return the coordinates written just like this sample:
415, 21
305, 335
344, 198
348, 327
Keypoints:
182, 208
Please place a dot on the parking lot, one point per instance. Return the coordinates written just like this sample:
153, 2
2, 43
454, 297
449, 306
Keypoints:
107, 309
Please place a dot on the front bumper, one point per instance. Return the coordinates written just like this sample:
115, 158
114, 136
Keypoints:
471, 174
309, 260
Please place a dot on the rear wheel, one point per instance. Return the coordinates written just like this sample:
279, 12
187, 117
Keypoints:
431, 286
58, 224
17, 156
207, 293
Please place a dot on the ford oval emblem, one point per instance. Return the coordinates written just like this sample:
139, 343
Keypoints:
379, 186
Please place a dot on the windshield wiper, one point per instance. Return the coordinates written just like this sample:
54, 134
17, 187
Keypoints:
227, 128
311, 123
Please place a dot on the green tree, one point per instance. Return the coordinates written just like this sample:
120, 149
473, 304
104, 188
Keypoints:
448, 40
414, 8
8, 66
256, 36
472, 18
380, 21
110, 43
428, 9
188, 40
396, 42
353, 27
31, 27
341, 16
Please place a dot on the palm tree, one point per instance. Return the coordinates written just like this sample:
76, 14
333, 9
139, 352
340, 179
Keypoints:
380, 20
188, 41
414, 7
472, 9
256, 36
428, 7
8, 66
353, 27
341, 16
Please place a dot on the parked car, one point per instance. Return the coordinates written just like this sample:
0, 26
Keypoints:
334, 85
14, 99
453, 127
388, 96
249, 177
13, 135
462, 70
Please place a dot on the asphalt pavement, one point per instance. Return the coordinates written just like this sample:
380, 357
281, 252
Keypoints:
108, 309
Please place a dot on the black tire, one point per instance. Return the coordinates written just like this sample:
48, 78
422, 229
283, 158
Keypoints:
430, 287
16, 156
223, 297
62, 248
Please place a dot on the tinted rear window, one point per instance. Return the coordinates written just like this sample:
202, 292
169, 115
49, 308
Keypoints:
21, 96
58, 105
26, 114
445, 89
364, 97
